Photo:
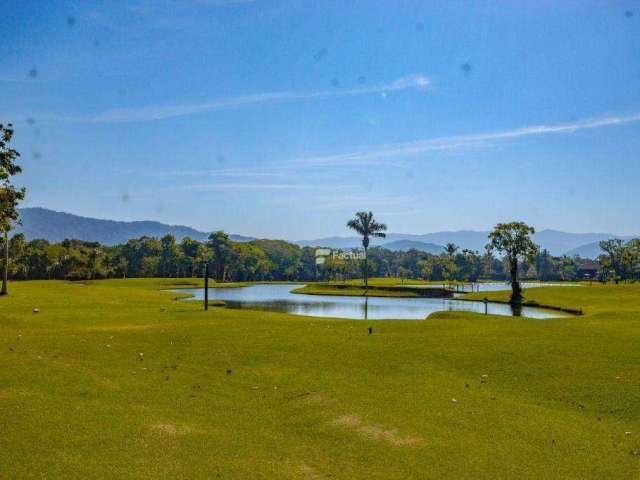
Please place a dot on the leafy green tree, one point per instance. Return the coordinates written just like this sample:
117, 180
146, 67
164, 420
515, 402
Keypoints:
190, 257
95, 261
306, 267
284, 256
544, 265
37, 259
426, 268
221, 248
18, 248
10, 196
335, 266
615, 250
117, 263
403, 273
438, 267
367, 227
468, 266
169, 256
150, 266
136, 250
408, 260
205, 254
448, 268
248, 262
633, 248
513, 240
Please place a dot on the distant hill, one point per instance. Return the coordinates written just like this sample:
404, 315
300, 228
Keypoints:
406, 245
356, 242
57, 226
590, 250
336, 242
556, 242
559, 243
464, 239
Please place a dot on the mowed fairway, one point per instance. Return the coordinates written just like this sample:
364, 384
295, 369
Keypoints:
116, 379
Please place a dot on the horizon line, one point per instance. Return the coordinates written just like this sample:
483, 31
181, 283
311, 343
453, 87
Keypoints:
613, 235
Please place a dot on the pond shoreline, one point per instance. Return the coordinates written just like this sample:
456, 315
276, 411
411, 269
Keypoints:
351, 290
391, 305
532, 304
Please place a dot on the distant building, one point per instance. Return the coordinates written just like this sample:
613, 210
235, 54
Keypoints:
588, 269
322, 254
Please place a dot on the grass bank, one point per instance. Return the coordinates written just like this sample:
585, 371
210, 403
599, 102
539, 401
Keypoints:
378, 287
115, 379
572, 299
355, 291
503, 297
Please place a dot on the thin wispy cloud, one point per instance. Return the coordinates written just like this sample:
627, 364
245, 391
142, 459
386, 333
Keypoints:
224, 3
228, 172
256, 187
382, 153
360, 201
153, 113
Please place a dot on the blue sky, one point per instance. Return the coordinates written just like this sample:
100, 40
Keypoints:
281, 119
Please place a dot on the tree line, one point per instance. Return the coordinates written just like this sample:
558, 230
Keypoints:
273, 260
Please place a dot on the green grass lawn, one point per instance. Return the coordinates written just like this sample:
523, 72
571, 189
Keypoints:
116, 379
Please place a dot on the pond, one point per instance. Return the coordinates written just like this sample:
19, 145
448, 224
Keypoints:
279, 298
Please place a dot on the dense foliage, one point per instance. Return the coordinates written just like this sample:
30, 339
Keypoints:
10, 196
621, 260
279, 260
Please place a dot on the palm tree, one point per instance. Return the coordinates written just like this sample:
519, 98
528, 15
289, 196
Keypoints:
451, 249
366, 226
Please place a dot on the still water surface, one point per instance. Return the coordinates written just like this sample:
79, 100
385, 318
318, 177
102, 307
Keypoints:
279, 298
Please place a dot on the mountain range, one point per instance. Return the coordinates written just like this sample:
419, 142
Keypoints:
556, 242
590, 250
57, 226
406, 245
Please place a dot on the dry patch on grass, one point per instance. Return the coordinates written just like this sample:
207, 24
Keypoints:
311, 473
172, 430
132, 327
376, 432
123, 328
313, 398
317, 398
12, 392
354, 422
294, 469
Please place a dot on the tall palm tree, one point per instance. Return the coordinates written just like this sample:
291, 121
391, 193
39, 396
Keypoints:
366, 226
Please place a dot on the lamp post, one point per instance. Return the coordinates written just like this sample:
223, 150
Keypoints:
206, 286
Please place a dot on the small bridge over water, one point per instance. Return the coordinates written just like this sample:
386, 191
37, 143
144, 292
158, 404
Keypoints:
443, 290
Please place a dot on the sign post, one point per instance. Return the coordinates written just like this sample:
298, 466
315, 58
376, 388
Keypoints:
206, 286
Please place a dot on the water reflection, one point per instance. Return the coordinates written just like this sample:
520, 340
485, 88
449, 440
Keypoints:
279, 298
516, 309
